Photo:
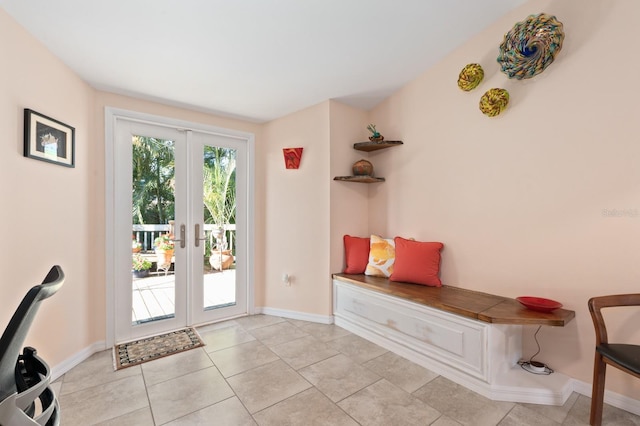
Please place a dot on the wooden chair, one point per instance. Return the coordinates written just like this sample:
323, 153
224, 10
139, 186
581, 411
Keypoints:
625, 357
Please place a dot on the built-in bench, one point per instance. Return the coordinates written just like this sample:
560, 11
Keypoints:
470, 337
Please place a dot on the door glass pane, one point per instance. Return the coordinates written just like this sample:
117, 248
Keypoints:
153, 207
219, 210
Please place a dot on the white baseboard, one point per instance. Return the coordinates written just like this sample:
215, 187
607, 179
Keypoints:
614, 399
75, 359
302, 316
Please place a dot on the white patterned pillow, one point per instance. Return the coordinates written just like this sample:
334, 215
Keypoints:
382, 256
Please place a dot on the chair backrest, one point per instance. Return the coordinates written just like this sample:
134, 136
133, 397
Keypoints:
596, 304
14, 335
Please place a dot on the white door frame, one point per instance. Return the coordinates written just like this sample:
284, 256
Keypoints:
112, 116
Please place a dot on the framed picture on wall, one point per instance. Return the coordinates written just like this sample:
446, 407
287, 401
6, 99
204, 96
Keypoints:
47, 139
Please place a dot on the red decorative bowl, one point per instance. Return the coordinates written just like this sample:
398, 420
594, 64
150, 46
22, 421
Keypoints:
539, 304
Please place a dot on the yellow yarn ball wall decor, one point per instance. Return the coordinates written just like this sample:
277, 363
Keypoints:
470, 77
494, 101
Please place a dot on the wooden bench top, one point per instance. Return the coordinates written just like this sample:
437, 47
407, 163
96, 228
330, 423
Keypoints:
467, 303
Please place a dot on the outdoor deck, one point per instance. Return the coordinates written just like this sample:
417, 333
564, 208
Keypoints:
154, 297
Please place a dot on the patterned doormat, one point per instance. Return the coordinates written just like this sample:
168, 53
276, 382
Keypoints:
143, 350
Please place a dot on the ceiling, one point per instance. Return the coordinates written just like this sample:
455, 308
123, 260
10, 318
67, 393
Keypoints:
254, 59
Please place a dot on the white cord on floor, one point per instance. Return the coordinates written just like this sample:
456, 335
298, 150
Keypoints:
532, 366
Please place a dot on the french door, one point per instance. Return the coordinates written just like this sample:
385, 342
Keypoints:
180, 209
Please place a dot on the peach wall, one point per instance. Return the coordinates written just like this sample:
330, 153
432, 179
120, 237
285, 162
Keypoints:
306, 212
349, 201
296, 213
524, 201
45, 212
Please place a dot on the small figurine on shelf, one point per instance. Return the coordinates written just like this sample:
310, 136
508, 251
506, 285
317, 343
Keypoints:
375, 135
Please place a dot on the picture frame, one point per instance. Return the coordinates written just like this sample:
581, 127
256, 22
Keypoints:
47, 139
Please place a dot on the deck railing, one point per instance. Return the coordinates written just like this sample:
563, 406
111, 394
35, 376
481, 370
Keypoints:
146, 234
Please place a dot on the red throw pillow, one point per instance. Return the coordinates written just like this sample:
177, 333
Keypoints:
417, 262
356, 254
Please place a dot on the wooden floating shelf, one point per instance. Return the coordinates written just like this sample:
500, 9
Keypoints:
374, 146
361, 179
368, 147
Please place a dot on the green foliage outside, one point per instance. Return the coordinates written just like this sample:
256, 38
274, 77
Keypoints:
154, 183
139, 263
153, 180
219, 185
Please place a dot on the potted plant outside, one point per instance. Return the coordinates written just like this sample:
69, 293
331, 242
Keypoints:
164, 247
136, 247
141, 266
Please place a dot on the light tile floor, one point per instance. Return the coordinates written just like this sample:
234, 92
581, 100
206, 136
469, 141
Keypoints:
265, 370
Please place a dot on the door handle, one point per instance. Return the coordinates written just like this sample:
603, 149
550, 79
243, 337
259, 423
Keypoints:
198, 238
183, 230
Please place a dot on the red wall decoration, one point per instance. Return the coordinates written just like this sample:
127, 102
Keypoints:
292, 157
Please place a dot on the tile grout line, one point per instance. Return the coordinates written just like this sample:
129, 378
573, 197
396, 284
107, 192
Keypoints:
146, 391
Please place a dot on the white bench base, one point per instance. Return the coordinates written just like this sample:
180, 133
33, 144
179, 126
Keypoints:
477, 355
